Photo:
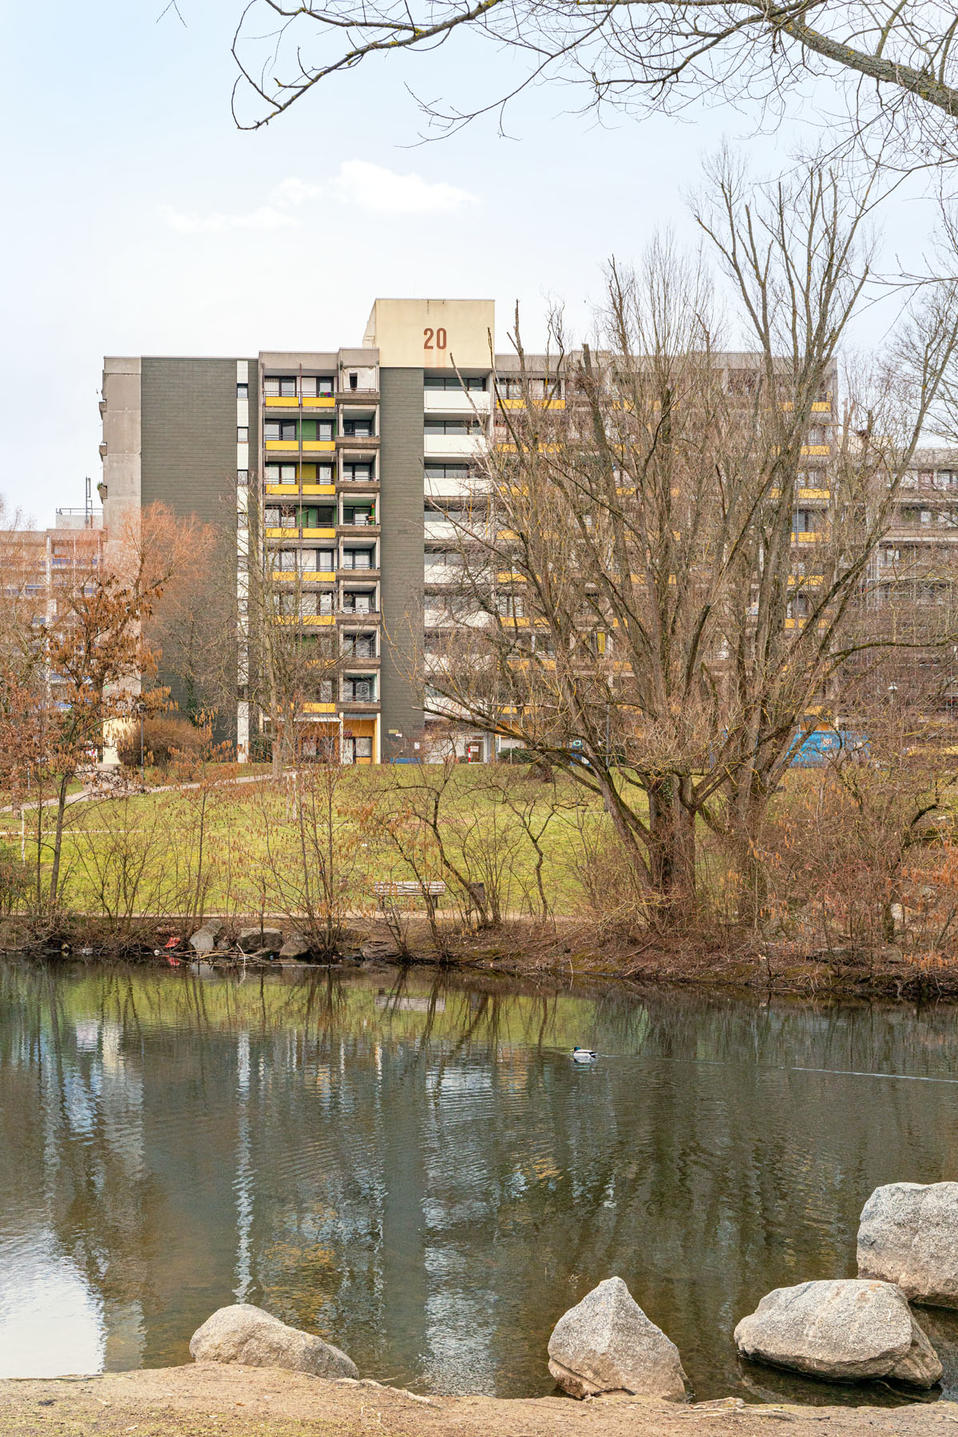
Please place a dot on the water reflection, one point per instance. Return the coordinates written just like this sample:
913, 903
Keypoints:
420, 1172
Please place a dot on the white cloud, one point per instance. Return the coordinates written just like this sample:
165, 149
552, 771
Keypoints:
373, 187
265, 217
357, 184
294, 191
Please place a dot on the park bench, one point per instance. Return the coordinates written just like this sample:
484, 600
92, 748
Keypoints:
409, 888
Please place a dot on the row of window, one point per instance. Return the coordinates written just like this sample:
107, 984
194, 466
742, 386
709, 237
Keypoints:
353, 472
317, 516
312, 603
452, 426
291, 561
324, 429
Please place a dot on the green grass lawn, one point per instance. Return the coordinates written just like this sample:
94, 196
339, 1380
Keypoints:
256, 847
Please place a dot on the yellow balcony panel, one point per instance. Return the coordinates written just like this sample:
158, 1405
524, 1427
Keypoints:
284, 401
319, 446
319, 533
822, 450
536, 404
509, 578
321, 401
822, 406
823, 494
318, 620
284, 576
807, 581
282, 446
809, 536
279, 533
319, 488
319, 708
282, 488
318, 576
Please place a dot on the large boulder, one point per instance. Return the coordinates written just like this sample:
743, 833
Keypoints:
909, 1235
844, 1330
607, 1344
297, 945
260, 940
247, 1334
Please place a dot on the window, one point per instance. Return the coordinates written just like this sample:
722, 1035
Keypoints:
454, 381
242, 391
277, 386
359, 558
271, 516
354, 381
242, 434
357, 473
358, 428
287, 517
510, 606
359, 517
360, 690
308, 604
459, 472
325, 385
280, 429
363, 746
326, 559
324, 473
451, 426
317, 516
326, 601
286, 561
325, 691
357, 602
360, 646
242, 476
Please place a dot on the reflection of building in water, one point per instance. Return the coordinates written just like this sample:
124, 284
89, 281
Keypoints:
434, 1203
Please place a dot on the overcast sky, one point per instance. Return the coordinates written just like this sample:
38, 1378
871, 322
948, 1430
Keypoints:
138, 220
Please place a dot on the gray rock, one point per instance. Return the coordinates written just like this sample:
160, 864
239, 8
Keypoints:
846, 1330
257, 940
247, 1334
909, 1235
203, 940
607, 1344
296, 946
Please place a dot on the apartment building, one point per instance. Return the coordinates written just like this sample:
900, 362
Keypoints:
916, 564
354, 462
40, 568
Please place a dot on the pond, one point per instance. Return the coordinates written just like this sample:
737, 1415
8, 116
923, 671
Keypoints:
419, 1172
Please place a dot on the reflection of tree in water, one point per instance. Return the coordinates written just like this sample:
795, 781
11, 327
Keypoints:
418, 1170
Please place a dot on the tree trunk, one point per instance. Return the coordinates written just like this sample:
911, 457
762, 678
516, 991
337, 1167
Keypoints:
58, 840
671, 848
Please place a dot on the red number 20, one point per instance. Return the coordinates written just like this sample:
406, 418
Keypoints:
431, 335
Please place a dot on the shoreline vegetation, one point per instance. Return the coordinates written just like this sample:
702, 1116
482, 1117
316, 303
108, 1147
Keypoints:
508, 869
206, 1398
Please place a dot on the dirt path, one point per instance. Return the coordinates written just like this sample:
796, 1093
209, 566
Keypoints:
203, 1400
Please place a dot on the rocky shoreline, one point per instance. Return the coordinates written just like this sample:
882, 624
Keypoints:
560, 950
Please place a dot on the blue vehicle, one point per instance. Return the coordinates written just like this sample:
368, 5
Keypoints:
826, 745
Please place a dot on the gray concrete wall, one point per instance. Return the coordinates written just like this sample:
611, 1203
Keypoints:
401, 508
189, 451
188, 436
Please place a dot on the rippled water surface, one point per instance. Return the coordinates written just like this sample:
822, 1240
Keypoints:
423, 1175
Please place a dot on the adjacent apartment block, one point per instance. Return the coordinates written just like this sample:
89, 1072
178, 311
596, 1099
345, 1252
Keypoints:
356, 461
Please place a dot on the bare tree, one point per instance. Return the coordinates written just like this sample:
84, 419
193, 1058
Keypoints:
899, 61
289, 661
643, 597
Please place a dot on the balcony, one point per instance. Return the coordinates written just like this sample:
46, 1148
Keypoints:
453, 446
456, 401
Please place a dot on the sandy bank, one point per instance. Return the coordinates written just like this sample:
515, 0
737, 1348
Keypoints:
202, 1400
